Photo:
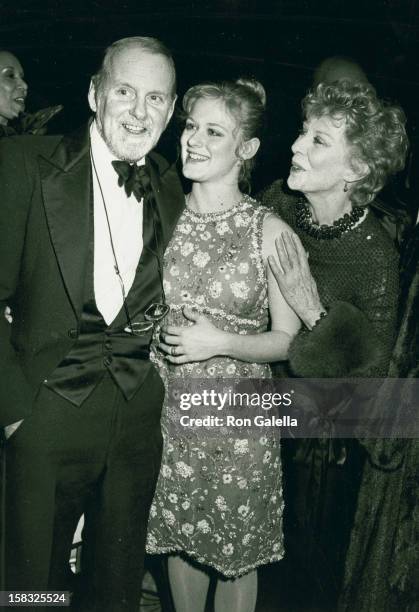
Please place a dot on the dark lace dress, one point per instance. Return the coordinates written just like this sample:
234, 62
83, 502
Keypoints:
218, 497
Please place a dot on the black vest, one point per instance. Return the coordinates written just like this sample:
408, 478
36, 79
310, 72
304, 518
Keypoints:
100, 347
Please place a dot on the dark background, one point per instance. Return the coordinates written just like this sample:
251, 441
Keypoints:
279, 42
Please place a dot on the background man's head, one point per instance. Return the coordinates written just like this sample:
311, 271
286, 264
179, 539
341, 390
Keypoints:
339, 68
133, 96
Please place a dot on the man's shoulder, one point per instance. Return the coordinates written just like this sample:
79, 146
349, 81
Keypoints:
29, 145
161, 164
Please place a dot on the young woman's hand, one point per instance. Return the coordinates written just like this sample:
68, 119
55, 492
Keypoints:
197, 342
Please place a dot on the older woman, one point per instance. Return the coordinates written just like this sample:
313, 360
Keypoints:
349, 145
218, 503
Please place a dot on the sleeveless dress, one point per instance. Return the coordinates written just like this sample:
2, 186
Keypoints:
219, 497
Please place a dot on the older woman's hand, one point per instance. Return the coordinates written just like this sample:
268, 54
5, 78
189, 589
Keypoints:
295, 280
197, 342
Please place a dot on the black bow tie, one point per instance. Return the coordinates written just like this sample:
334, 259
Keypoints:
135, 179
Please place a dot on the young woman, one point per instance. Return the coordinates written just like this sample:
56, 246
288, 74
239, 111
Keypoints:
218, 502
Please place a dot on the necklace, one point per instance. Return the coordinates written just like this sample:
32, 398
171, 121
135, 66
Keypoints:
218, 211
305, 222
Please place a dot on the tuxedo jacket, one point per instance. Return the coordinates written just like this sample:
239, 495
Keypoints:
45, 199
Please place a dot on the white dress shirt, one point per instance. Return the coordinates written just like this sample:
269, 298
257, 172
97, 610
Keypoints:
125, 216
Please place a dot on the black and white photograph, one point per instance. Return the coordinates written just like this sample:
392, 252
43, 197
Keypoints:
209, 305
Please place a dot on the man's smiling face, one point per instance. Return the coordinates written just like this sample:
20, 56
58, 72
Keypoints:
134, 102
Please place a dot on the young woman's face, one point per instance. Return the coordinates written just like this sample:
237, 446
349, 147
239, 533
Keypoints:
321, 157
210, 141
13, 89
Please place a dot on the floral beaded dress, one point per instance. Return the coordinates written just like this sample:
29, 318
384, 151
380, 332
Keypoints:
218, 497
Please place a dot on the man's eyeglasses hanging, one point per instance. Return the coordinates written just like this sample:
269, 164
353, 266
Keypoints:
154, 313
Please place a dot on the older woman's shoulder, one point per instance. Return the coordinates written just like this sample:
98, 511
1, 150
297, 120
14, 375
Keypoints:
378, 236
276, 191
376, 258
273, 221
276, 197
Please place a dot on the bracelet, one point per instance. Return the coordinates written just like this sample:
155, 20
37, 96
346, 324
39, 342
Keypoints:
323, 315
306, 330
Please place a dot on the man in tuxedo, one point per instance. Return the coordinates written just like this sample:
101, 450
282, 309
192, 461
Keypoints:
84, 221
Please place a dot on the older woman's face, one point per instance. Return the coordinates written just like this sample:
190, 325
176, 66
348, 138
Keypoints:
321, 157
13, 89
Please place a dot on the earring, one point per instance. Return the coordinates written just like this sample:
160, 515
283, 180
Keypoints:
345, 189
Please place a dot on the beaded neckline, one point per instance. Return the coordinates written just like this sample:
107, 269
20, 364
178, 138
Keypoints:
219, 215
304, 222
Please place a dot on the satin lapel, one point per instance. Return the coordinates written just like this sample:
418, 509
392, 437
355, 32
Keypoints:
152, 227
66, 190
165, 206
169, 197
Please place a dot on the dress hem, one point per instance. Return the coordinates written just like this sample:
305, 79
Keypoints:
201, 560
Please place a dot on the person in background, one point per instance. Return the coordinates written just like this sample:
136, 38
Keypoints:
350, 143
218, 504
13, 93
339, 68
13, 90
382, 564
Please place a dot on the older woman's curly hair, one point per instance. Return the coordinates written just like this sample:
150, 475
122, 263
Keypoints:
375, 131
